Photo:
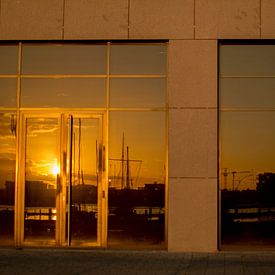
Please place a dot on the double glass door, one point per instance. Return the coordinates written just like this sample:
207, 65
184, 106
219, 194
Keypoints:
61, 198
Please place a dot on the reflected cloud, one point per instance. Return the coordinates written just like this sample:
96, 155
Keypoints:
40, 128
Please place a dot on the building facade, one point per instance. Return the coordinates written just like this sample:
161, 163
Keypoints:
154, 75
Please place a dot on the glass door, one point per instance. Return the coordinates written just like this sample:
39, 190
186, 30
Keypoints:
86, 157
61, 170
41, 177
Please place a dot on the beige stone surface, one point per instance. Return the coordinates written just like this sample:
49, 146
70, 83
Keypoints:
96, 19
227, 19
192, 73
31, 19
192, 212
192, 147
167, 19
268, 18
212, 154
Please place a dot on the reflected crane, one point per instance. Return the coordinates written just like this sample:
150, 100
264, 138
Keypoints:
243, 178
233, 173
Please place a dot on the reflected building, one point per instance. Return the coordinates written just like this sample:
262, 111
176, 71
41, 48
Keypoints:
138, 127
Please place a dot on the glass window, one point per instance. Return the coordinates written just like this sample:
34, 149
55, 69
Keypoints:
63, 93
7, 175
247, 145
139, 92
138, 59
42, 135
247, 92
8, 88
8, 59
136, 178
64, 59
123, 85
85, 206
247, 60
247, 134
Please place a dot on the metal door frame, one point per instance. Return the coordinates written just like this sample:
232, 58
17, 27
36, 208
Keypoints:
61, 203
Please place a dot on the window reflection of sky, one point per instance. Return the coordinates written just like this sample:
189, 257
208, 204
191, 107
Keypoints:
144, 132
247, 97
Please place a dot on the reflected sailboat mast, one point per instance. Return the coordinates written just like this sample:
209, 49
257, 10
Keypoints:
79, 150
122, 163
97, 162
74, 167
127, 169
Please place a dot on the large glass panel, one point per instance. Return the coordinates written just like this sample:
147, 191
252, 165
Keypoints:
247, 60
86, 178
7, 175
64, 59
41, 175
136, 179
137, 92
67, 93
138, 59
247, 145
8, 88
9, 59
248, 178
247, 92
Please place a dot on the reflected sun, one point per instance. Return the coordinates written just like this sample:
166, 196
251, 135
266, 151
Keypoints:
54, 168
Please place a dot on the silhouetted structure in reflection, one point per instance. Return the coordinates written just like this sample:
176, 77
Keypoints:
266, 189
249, 215
137, 214
7, 210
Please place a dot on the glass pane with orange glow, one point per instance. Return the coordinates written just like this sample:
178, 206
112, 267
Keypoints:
74, 93
247, 60
247, 151
8, 59
86, 179
141, 92
248, 178
64, 59
7, 176
138, 59
8, 88
42, 136
136, 179
247, 93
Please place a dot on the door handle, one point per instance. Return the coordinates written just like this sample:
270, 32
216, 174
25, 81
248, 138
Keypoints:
58, 184
101, 158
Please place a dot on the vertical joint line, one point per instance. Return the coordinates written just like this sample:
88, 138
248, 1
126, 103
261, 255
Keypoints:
108, 74
194, 19
0, 10
63, 20
128, 27
260, 17
19, 70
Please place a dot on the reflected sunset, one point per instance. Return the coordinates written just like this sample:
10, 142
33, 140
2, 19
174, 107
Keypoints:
74, 112
247, 134
55, 169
